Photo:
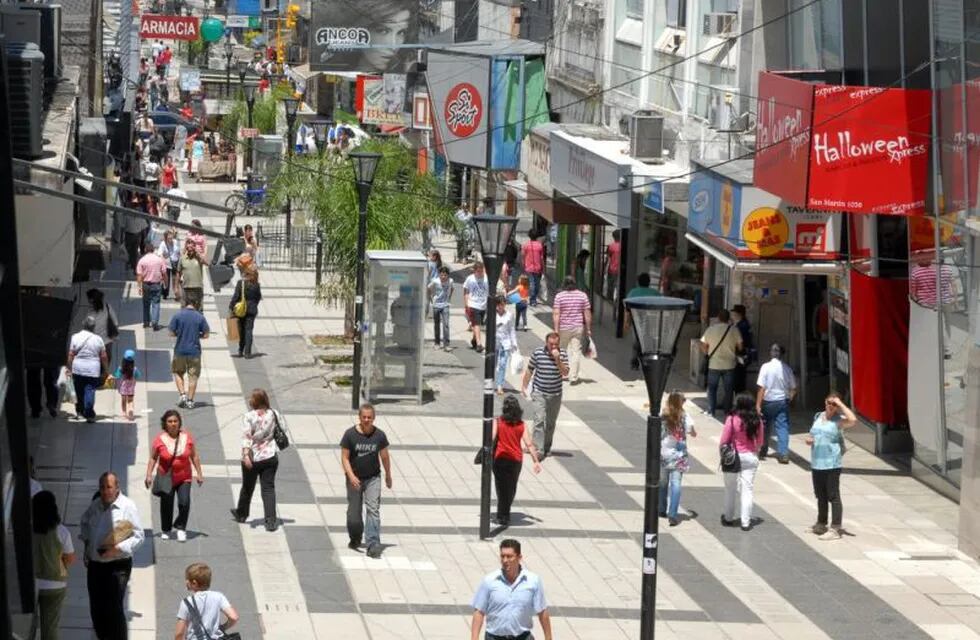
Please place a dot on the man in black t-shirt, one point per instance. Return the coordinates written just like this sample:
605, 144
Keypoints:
363, 450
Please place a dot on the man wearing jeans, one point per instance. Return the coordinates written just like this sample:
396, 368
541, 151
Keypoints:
363, 449
546, 369
151, 271
777, 387
533, 252
721, 342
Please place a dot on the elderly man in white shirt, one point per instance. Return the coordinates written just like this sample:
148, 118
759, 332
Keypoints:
111, 532
777, 388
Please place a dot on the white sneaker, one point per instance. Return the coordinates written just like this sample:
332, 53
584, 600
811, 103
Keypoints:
165, 535
181, 535
830, 534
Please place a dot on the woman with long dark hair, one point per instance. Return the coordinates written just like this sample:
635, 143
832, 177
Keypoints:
249, 289
53, 554
508, 457
174, 452
744, 430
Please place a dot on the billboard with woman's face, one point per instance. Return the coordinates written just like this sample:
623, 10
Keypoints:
367, 36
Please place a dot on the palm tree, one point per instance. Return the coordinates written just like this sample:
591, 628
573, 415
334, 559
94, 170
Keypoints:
403, 202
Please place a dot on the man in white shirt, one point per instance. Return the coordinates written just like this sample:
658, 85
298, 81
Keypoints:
777, 387
476, 290
111, 531
721, 343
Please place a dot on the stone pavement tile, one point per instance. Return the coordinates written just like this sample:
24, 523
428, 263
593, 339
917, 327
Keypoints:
738, 631
947, 631
329, 626
868, 572
696, 630
392, 627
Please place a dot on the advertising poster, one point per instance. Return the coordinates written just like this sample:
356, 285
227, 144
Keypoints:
783, 136
459, 89
370, 36
380, 105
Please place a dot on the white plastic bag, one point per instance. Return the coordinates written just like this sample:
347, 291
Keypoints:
516, 364
593, 351
66, 390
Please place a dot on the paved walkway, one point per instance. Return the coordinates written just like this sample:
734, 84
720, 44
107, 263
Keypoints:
897, 576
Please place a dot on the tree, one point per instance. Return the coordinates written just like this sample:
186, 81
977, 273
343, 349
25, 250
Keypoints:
402, 203
263, 113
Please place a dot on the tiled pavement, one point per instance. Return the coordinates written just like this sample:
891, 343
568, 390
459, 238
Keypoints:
897, 576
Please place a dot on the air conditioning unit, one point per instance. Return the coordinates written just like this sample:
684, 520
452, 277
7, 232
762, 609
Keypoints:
50, 36
647, 137
722, 110
20, 26
720, 24
25, 86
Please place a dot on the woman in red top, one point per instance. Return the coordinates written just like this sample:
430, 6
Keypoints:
168, 176
173, 451
510, 434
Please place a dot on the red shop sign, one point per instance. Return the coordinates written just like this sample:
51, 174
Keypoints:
867, 148
464, 109
158, 27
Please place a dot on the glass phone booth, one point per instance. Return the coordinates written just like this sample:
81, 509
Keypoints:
394, 325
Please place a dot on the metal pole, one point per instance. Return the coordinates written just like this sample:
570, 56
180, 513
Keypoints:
493, 266
289, 202
363, 192
655, 372
227, 76
319, 255
248, 159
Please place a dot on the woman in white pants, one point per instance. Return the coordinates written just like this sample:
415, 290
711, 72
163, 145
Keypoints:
744, 428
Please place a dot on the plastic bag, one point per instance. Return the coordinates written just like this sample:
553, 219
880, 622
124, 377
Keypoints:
66, 390
516, 364
592, 351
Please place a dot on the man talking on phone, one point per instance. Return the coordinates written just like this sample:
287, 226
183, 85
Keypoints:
547, 368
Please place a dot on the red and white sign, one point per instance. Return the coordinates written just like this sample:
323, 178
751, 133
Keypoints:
858, 149
246, 132
160, 27
463, 110
783, 136
421, 111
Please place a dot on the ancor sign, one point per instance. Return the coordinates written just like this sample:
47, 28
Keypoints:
464, 109
158, 27
765, 231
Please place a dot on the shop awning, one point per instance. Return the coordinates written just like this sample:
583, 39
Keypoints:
790, 267
554, 210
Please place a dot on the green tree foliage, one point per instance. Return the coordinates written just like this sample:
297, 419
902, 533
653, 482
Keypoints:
263, 112
402, 203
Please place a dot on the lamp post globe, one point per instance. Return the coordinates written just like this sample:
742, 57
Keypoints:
657, 324
493, 234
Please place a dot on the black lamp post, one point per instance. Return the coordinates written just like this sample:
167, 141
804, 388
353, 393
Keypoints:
229, 52
242, 72
292, 106
320, 129
365, 166
492, 235
657, 322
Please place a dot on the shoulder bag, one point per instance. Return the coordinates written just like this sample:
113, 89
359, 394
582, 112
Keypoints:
730, 462
279, 434
241, 307
198, 623
163, 483
707, 361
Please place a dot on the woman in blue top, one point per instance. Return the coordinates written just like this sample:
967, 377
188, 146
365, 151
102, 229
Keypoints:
826, 438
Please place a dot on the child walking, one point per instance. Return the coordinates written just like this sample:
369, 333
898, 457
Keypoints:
520, 295
673, 454
126, 375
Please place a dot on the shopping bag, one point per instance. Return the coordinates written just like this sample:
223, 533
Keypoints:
66, 390
591, 351
516, 364
232, 329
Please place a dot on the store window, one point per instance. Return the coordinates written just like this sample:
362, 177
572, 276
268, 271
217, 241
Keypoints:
675, 265
814, 34
634, 9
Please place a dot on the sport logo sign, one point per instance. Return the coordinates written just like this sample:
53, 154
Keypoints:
464, 110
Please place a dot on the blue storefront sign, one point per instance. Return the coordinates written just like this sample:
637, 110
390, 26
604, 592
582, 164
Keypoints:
654, 199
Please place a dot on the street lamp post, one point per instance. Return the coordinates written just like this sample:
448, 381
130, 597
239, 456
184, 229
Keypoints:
229, 53
492, 234
292, 106
320, 128
365, 166
248, 92
657, 323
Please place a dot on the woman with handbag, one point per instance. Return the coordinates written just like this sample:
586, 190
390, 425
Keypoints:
172, 454
743, 433
826, 438
244, 304
263, 435
199, 615
508, 455
53, 553
88, 363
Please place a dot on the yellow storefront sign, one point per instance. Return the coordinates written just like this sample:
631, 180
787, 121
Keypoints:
765, 231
